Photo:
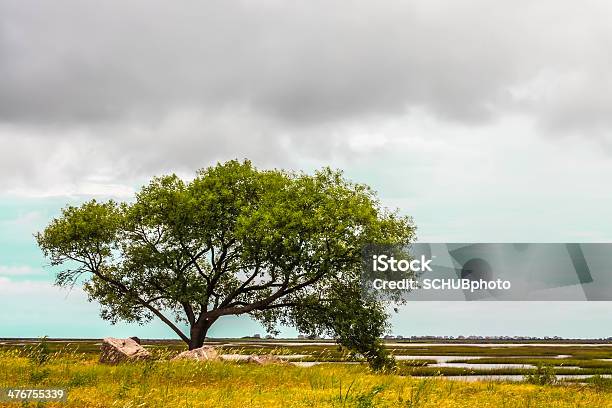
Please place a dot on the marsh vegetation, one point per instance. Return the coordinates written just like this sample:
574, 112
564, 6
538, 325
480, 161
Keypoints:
415, 383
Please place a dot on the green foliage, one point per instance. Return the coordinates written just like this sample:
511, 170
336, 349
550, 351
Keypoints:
355, 320
282, 247
541, 375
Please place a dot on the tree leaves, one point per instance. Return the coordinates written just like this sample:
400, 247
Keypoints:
283, 247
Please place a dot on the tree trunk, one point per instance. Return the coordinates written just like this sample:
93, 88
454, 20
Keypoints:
198, 334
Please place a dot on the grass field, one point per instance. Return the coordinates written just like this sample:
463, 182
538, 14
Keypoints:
161, 383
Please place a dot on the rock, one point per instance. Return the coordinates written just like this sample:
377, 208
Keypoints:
114, 351
266, 359
136, 339
204, 353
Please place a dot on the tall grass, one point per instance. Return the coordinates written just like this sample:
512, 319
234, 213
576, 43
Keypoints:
162, 383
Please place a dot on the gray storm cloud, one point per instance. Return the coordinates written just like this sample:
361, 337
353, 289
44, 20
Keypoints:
82, 61
270, 79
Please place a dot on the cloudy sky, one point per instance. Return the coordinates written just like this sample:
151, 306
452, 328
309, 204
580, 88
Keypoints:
484, 121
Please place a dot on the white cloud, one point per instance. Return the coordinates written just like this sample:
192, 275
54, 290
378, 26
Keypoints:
18, 288
19, 270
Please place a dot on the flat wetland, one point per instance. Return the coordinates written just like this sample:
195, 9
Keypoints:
320, 374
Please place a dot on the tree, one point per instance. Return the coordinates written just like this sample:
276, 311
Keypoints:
282, 247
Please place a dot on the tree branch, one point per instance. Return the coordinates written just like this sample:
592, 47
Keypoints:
124, 289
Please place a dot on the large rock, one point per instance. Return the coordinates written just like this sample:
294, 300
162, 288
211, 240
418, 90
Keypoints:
114, 351
266, 359
204, 353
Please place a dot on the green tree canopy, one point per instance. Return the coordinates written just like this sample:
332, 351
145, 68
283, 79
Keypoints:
282, 247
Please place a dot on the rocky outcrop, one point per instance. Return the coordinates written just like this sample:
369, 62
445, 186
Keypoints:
209, 353
204, 353
266, 359
114, 351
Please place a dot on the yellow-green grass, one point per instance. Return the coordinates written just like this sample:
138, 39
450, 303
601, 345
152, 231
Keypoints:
223, 384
